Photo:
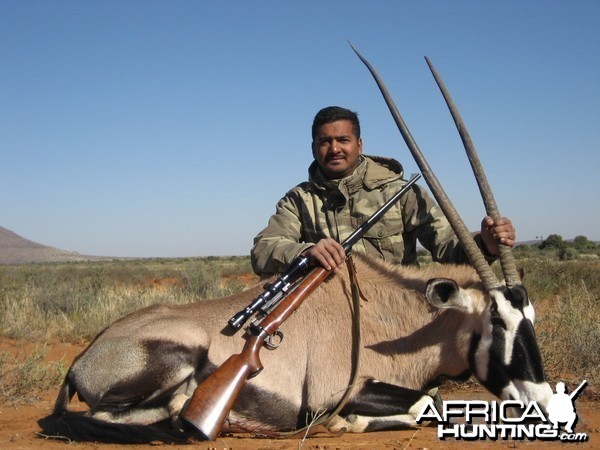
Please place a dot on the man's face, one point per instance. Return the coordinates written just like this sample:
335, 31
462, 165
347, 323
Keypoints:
336, 149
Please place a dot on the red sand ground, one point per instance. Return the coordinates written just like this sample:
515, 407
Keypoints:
19, 428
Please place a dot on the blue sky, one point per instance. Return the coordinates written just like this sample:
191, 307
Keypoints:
157, 128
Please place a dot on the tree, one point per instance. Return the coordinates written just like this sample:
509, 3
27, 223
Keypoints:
567, 254
553, 241
583, 243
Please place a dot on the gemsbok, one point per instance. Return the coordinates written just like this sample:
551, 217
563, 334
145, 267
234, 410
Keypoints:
419, 327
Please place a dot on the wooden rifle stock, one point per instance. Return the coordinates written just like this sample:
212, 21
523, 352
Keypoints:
214, 397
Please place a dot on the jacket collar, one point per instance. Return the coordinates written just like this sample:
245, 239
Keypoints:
372, 172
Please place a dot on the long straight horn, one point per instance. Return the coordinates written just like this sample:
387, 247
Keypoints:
507, 260
477, 259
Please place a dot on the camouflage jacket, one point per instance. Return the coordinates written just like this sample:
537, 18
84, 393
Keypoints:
335, 208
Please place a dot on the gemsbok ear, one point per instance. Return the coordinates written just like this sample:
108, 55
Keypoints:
445, 293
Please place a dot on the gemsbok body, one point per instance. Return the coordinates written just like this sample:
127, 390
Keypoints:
419, 327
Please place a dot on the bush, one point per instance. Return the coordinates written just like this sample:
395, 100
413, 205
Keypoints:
24, 378
553, 241
567, 254
583, 243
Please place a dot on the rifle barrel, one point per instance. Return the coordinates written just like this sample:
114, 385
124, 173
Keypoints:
300, 264
215, 396
575, 393
367, 224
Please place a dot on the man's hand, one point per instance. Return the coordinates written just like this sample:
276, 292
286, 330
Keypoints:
327, 253
501, 231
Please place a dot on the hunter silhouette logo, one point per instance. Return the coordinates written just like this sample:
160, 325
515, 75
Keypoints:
508, 419
561, 408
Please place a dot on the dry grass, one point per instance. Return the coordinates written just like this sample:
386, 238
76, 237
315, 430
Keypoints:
23, 378
569, 332
73, 302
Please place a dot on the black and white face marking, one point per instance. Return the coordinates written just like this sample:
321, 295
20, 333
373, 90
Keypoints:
504, 354
507, 358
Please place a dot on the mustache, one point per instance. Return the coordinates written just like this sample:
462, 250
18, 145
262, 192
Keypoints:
335, 157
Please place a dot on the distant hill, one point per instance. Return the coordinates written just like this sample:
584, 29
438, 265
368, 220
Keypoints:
15, 249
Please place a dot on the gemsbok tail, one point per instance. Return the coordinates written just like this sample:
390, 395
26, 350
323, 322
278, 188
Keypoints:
64, 424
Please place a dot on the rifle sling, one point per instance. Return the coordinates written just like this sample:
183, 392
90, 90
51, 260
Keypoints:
319, 425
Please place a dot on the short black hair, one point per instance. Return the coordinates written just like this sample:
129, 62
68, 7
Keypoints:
332, 114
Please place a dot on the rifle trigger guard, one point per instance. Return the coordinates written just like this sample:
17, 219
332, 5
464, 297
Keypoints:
274, 344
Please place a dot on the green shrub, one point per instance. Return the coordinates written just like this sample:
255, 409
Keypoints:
24, 378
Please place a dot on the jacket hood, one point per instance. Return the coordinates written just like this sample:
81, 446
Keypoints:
377, 171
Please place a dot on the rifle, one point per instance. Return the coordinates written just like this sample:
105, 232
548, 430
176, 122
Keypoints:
575, 393
215, 396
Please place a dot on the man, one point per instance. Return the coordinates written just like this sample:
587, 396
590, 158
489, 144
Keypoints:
561, 409
344, 188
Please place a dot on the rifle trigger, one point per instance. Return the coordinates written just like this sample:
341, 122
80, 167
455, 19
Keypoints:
273, 344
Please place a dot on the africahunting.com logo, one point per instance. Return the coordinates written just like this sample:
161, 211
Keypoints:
510, 419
